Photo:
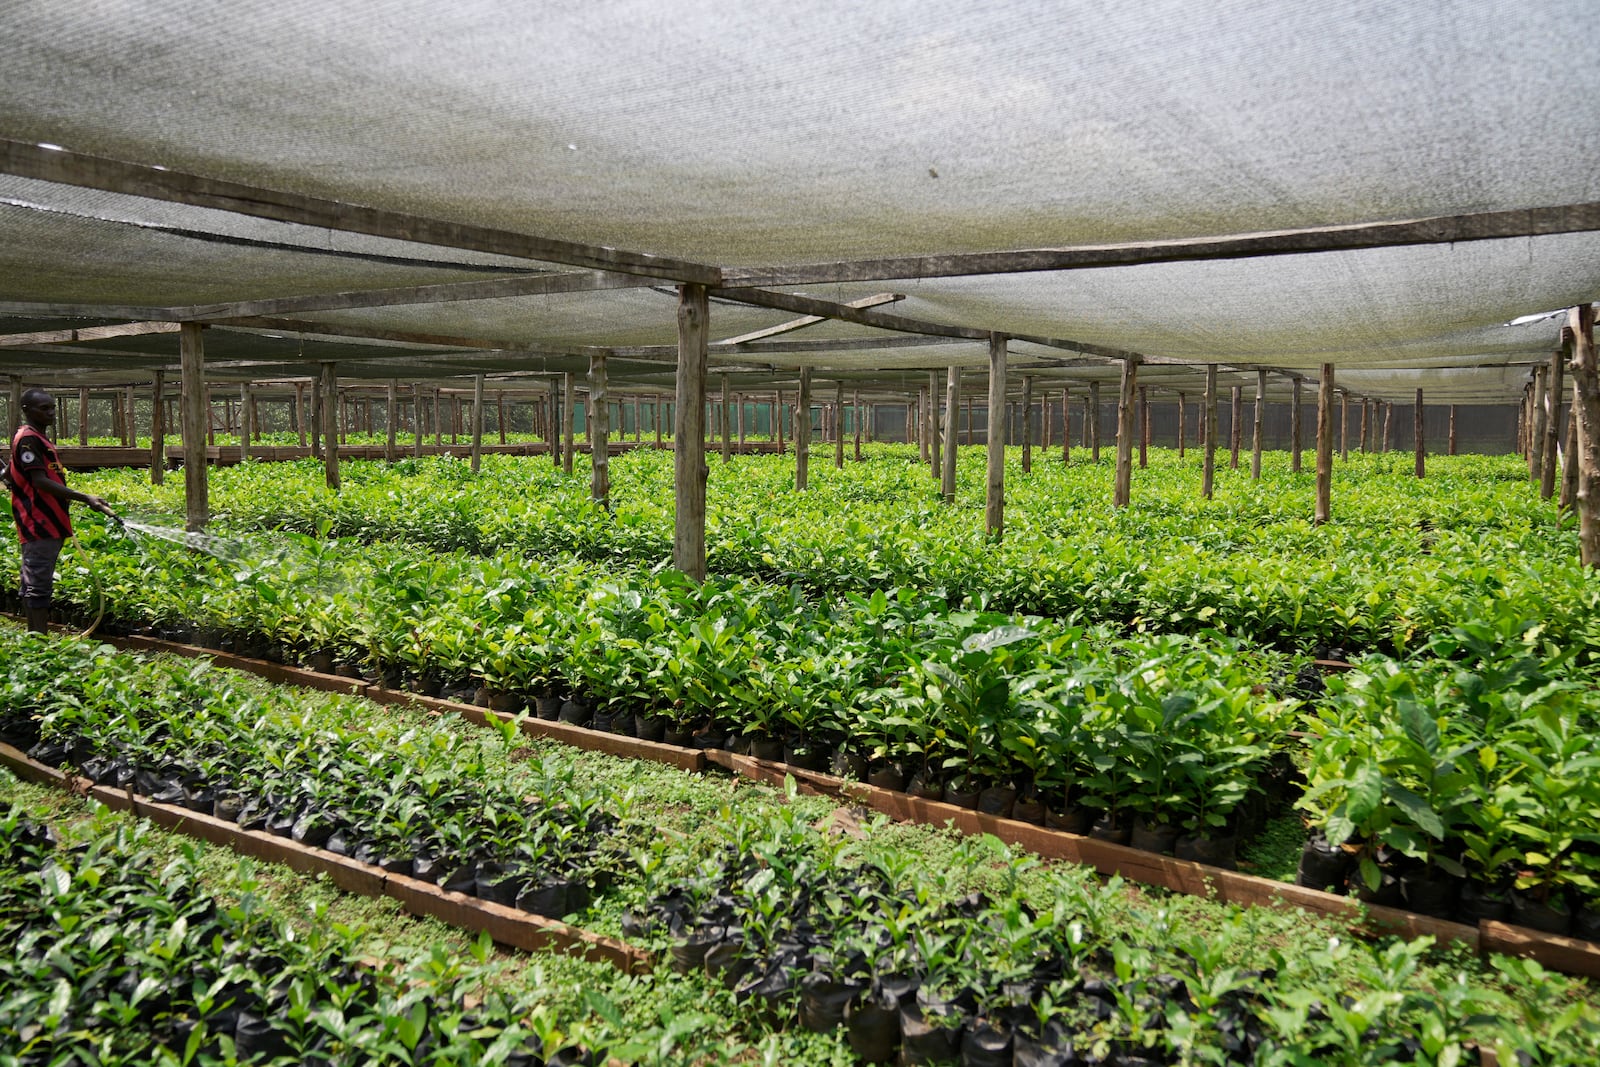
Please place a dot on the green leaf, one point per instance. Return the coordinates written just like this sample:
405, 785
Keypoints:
1418, 810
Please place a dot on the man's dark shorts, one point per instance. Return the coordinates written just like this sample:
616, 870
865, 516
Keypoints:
39, 571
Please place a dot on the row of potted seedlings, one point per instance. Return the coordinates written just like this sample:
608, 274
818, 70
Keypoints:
1158, 737
1148, 740
423, 803
1464, 785
119, 956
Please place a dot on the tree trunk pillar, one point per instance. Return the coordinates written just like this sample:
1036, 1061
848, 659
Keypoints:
330, 434
952, 409
600, 431
1209, 422
1260, 425
1324, 446
1123, 483
688, 432
158, 430
994, 511
191, 363
1586, 410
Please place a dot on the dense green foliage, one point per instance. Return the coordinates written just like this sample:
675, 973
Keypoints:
1403, 559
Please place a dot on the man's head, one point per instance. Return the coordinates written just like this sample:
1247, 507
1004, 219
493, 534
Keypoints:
39, 408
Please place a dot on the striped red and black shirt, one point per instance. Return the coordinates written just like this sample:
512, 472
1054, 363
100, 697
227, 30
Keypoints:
40, 516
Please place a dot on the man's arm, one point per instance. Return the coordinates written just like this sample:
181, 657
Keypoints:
45, 484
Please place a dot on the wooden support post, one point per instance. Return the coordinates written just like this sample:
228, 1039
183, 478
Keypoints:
1144, 427
1047, 421
738, 406
935, 442
316, 415
1295, 422
599, 431
1388, 425
855, 411
1066, 425
1259, 426
1236, 426
436, 409
952, 413
330, 413
775, 424
158, 430
838, 427
244, 422
1093, 425
1324, 446
1089, 415
416, 419
1122, 486
1569, 464
211, 419
1536, 424
1027, 424
83, 416
129, 435
1365, 410
500, 414
391, 414
1183, 400
477, 422
727, 423
689, 447
994, 511
972, 420
1450, 446
1344, 424
1208, 476
569, 403
802, 430
1417, 436
13, 410
1552, 423
191, 363
1586, 412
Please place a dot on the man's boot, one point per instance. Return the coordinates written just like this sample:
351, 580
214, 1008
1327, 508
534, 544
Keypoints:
38, 619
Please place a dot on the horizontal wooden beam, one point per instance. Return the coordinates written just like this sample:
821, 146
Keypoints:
1442, 229
87, 333
374, 333
805, 305
446, 292
158, 183
803, 321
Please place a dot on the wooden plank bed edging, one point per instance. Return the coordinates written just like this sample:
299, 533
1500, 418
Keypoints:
509, 926
1566, 954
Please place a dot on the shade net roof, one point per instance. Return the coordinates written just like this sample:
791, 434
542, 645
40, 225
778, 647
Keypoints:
779, 134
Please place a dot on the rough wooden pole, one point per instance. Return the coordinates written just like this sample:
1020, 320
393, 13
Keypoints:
14, 408
1259, 426
1209, 421
775, 424
838, 426
1344, 424
600, 431
1047, 420
191, 364
689, 445
727, 421
934, 442
1450, 445
83, 416
158, 430
1296, 421
952, 409
1569, 464
244, 421
1027, 424
1090, 409
1586, 412
1066, 425
1417, 437
994, 510
855, 412
330, 434
1122, 485
129, 436
802, 430
1552, 422
569, 403
1324, 446
316, 415
1236, 426
477, 422
1144, 427
436, 410
1537, 419
1183, 401
1388, 425
1093, 424
1365, 406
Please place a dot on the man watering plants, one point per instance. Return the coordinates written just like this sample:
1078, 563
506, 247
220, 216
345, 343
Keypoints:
39, 501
